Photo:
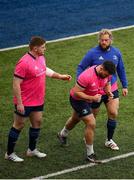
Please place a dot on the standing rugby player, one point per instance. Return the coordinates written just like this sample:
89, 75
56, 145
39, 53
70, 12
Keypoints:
95, 56
29, 93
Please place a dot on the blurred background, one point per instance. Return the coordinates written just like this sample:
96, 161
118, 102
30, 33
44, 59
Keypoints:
53, 19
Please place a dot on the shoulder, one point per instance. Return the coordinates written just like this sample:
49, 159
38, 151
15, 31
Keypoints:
89, 72
93, 50
24, 60
87, 76
115, 50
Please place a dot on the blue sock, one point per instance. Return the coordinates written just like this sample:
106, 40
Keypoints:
111, 125
33, 136
12, 138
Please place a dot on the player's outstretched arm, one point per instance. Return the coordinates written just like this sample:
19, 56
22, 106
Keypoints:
55, 75
65, 77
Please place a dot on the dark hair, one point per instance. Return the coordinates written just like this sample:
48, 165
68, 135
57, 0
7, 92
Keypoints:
36, 41
110, 67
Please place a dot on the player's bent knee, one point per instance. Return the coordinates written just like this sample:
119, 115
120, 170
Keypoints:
37, 123
91, 125
113, 114
19, 125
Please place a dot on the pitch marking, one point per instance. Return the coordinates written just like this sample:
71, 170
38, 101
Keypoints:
67, 38
84, 166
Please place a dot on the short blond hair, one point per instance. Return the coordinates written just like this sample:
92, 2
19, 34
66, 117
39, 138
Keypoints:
105, 31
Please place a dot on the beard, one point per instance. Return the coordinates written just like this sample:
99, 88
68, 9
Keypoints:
104, 48
101, 76
40, 53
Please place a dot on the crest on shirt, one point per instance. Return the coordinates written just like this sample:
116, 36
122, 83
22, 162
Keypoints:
39, 71
101, 58
115, 57
93, 84
36, 68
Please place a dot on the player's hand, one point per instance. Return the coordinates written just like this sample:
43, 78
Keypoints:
110, 96
20, 108
124, 91
65, 77
97, 98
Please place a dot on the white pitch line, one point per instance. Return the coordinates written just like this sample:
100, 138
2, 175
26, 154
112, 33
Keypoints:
84, 166
67, 38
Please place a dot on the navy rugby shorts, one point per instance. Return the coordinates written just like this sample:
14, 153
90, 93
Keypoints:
83, 108
29, 109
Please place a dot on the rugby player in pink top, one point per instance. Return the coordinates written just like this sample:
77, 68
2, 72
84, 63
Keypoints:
89, 88
29, 93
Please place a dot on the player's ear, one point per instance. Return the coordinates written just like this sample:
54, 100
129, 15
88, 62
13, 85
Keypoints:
35, 48
101, 67
111, 40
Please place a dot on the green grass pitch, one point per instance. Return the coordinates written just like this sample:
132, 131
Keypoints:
64, 57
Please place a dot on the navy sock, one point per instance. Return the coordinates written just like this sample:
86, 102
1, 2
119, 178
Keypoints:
33, 136
111, 125
12, 138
